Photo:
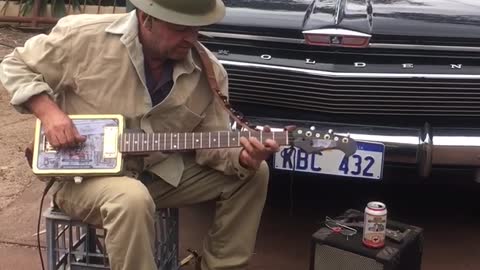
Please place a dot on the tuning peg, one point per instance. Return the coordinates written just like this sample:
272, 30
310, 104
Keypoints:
330, 131
345, 140
312, 128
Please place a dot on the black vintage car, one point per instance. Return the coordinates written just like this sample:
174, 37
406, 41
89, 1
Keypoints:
402, 77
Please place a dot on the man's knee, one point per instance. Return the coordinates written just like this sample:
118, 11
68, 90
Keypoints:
131, 198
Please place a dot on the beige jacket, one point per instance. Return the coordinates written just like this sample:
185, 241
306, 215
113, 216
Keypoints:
93, 64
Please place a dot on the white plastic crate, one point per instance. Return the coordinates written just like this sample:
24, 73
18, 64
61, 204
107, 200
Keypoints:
74, 245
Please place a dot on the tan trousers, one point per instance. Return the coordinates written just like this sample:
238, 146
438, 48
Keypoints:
125, 207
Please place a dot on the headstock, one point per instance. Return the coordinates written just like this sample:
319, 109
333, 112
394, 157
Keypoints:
312, 141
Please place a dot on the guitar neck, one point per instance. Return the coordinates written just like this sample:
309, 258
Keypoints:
153, 142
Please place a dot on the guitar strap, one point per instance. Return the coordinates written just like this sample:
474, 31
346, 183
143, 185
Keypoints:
217, 94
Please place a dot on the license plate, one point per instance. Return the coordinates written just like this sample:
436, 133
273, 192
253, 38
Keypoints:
367, 162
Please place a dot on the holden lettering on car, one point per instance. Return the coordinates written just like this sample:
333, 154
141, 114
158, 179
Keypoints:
360, 64
266, 57
404, 66
223, 52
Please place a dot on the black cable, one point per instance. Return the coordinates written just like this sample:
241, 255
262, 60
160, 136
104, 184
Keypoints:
45, 191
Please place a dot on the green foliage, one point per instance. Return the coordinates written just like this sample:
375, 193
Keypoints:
58, 8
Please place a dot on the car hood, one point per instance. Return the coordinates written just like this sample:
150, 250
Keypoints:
411, 19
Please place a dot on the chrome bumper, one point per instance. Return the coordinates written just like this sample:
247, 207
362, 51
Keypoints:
425, 147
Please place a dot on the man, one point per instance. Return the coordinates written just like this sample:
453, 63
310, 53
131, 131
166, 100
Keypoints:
142, 65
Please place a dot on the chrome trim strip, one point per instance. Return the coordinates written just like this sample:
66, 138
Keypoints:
336, 32
372, 45
252, 37
351, 75
423, 47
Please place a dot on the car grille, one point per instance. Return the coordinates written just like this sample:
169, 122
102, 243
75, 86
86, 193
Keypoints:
370, 96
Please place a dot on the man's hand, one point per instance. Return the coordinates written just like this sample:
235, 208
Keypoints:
254, 152
58, 127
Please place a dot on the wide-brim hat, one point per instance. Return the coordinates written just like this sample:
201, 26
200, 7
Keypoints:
183, 12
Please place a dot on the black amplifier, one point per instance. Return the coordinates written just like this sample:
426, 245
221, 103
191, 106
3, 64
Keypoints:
332, 250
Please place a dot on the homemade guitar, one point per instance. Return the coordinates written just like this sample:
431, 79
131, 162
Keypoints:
107, 142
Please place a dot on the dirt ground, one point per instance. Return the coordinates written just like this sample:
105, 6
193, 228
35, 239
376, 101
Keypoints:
16, 130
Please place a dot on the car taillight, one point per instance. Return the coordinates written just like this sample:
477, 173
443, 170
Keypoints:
336, 37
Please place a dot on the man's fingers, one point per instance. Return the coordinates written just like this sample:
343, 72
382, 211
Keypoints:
246, 144
62, 139
52, 139
271, 145
69, 137
256, 143
78, 138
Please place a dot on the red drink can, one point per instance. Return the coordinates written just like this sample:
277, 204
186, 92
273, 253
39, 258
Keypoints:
375, 225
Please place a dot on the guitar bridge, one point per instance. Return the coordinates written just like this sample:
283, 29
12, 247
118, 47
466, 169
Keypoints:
110, 142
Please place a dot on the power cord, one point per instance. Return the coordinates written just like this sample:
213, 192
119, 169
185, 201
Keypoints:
293, 151
45, 191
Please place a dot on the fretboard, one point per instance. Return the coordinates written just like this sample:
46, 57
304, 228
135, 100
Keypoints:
151, 142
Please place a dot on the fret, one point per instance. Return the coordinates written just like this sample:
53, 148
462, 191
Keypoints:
215, 139
137, 142
193, 140
157, 141
232, 138
201, 139
171, 141
136, 146
185, 139
209, 139
145, 141
151, 140
131, 137
228, 138
129, 142
178, 140
218, 143
273, 134
164, 141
